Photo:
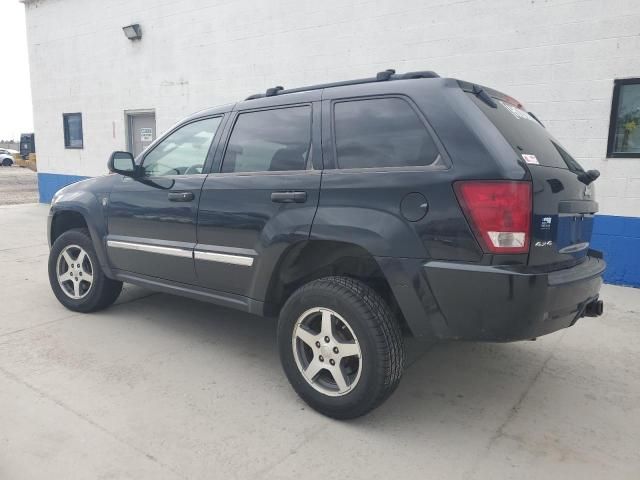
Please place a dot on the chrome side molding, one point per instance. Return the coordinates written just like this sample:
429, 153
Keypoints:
223, 258
242, 260
141, 247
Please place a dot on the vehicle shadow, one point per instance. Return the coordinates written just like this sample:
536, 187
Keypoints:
454, 380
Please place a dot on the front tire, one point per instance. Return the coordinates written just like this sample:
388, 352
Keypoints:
340, 346
75, 275
7, 162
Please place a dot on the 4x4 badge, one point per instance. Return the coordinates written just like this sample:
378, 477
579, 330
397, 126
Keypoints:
544, 244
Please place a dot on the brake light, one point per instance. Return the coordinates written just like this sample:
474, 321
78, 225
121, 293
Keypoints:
512, 101
499, 213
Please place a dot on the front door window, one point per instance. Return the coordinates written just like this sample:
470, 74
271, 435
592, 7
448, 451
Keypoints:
184, 152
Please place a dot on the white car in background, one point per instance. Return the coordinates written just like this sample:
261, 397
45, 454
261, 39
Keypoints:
6, 157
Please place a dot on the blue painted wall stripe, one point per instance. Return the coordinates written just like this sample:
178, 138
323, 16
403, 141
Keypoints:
617, 237
50, 183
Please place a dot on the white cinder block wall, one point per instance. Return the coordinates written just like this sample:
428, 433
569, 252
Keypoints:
558, 57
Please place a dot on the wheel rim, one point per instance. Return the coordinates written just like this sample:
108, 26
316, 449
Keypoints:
327, 352
75, 272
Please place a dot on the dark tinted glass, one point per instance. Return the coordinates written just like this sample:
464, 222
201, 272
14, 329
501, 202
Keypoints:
627, 119
384, 132
528, 138
568, 159
269, 140
72, 130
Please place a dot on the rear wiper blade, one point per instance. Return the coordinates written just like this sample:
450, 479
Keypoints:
588, 176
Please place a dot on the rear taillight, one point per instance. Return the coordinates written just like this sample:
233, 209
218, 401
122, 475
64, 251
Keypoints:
499, 213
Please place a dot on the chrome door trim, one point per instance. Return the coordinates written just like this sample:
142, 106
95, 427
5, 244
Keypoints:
223, 258
243, 252
141, 247
241, 260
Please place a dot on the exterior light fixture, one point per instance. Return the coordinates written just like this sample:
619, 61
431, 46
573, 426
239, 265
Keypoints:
133, 32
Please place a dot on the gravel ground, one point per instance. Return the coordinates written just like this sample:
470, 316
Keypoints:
18, 185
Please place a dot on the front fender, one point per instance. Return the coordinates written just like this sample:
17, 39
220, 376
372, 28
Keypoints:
91, 206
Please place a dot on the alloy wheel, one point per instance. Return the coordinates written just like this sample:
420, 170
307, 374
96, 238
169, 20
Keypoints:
327, 351
75, 272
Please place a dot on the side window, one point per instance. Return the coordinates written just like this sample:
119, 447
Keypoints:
382, 132
269, 140
184, 151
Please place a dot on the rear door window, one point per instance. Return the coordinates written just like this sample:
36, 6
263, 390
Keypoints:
269, 140
381, 132
529, 139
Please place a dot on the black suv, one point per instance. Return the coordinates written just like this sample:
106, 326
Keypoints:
359, 213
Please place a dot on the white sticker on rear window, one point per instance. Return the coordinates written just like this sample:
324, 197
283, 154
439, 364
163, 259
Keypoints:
516, 112
531, 159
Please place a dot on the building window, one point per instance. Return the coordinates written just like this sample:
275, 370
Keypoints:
624, 126
72, 130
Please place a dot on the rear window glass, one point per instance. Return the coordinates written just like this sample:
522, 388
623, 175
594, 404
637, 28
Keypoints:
381, 132
528, 138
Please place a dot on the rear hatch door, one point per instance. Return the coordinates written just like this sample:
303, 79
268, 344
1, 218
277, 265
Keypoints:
563, 206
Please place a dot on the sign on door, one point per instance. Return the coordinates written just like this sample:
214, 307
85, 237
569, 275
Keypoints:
146, 135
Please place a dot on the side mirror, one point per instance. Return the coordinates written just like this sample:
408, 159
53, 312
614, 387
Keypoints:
122, 163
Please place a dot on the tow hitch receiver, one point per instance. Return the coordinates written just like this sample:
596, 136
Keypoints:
594, 308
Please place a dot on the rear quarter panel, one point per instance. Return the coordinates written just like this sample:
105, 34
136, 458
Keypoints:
363, 205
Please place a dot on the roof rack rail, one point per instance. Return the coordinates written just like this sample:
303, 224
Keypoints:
387, 75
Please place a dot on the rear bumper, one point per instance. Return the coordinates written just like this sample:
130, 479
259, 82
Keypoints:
474, 302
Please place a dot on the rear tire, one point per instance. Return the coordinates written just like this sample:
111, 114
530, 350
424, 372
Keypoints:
6, 162
75, 275
349, 368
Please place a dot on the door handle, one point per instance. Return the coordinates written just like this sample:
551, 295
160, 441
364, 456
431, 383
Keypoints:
181, 196
289, 197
